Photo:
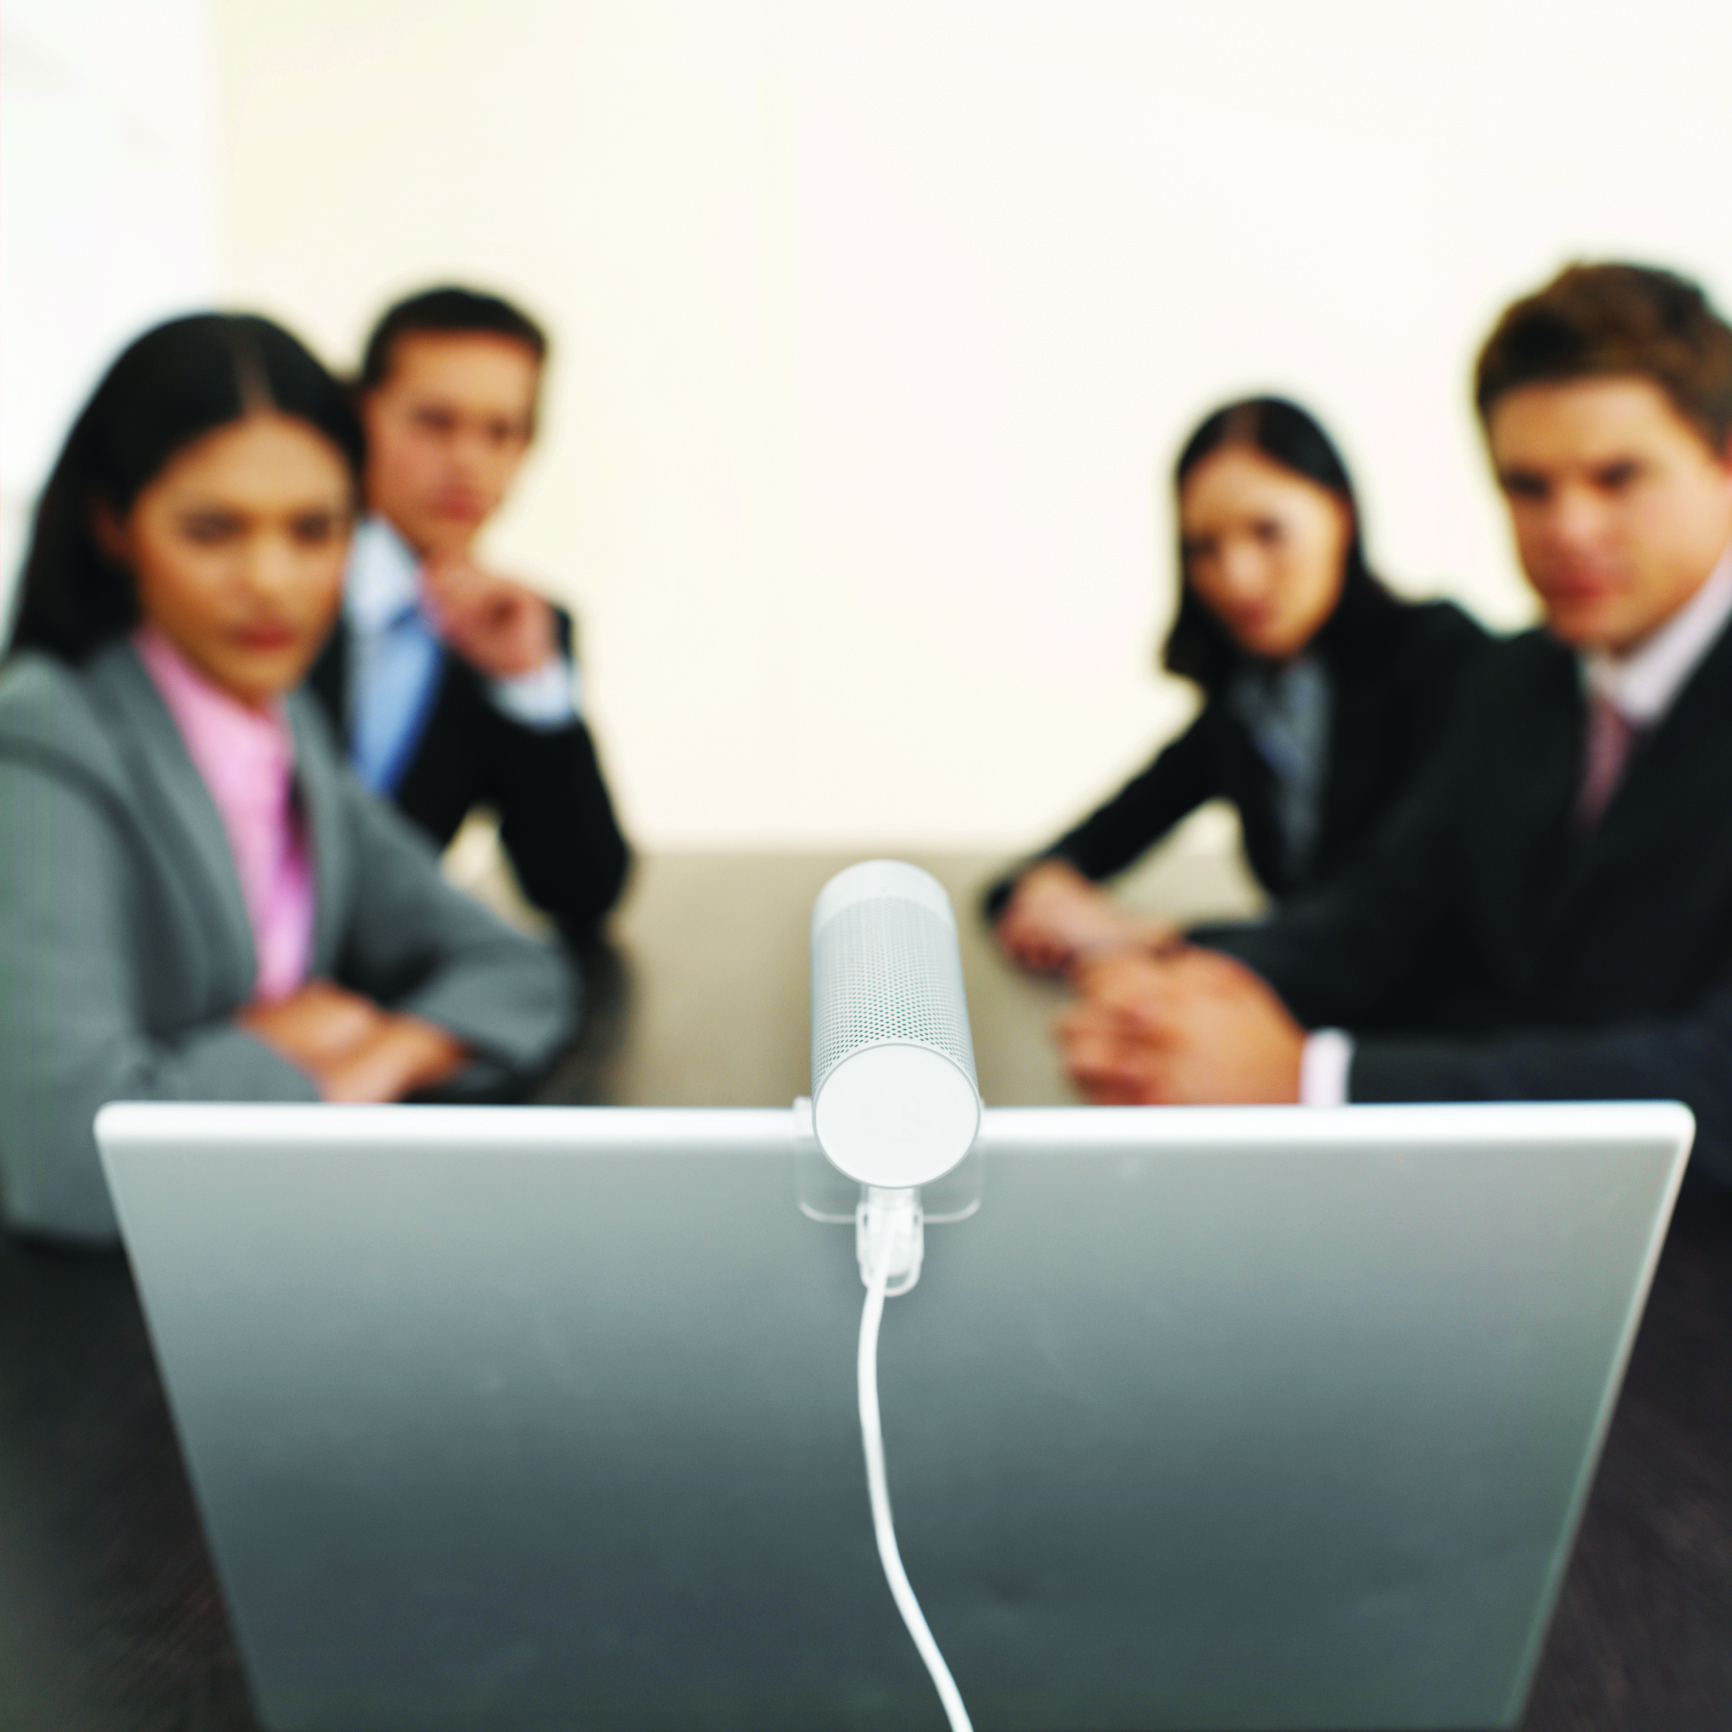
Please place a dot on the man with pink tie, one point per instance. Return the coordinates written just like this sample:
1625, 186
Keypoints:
1551, 915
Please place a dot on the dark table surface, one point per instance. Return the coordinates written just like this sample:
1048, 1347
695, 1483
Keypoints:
109, 1612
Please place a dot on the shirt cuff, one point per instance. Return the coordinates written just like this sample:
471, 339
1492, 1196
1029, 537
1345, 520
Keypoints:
546, 699
1323, 1067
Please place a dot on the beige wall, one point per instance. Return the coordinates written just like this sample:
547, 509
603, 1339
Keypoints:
877, 326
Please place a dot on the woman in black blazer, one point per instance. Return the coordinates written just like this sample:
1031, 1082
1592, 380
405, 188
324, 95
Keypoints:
1324, 694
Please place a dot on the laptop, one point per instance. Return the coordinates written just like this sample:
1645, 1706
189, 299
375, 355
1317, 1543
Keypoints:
1197, 1419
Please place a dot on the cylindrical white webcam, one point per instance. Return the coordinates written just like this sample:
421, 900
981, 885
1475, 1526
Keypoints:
895, 1101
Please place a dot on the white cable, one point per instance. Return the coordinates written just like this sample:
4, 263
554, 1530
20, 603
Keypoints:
878, 1489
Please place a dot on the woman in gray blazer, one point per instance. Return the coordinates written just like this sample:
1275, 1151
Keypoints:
159, 939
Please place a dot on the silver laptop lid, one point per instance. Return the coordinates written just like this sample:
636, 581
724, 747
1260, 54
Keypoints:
1206, 1419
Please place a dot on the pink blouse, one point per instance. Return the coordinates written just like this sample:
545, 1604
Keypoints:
247, 760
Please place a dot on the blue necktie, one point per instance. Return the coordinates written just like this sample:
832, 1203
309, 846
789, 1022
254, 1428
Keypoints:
395, 683
1286, 710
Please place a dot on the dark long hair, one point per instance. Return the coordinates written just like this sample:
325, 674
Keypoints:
1199, 647
171, 387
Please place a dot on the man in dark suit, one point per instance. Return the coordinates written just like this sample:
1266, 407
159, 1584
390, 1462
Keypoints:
456, 687
1551, 915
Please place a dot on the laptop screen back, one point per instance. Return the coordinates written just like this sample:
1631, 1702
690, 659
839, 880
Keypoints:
1206, 1419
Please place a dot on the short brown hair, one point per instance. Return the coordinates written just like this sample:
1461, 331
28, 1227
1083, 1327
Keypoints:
448, 311
1592, 321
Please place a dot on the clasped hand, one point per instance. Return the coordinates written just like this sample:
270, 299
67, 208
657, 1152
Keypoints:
1186, 1027
1056, 917
352, 1048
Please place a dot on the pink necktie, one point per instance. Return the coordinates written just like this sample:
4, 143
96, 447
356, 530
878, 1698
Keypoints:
1610, 737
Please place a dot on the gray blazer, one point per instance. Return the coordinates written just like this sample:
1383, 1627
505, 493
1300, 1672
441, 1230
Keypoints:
125, 948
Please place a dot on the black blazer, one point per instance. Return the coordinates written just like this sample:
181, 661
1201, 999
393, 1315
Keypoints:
555, 817
1395, 675
1487, 951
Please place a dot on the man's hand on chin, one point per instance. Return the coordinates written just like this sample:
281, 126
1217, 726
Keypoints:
1191, 1028
501, 628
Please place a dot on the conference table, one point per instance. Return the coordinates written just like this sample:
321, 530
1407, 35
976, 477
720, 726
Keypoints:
110, 1616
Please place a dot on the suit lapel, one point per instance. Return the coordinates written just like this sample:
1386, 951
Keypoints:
1513, 769
1694, 736
1681, 774
318, 783
329, 677
178, 806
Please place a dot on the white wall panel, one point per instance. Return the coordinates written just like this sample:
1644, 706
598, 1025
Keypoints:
106, 209
879, 323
